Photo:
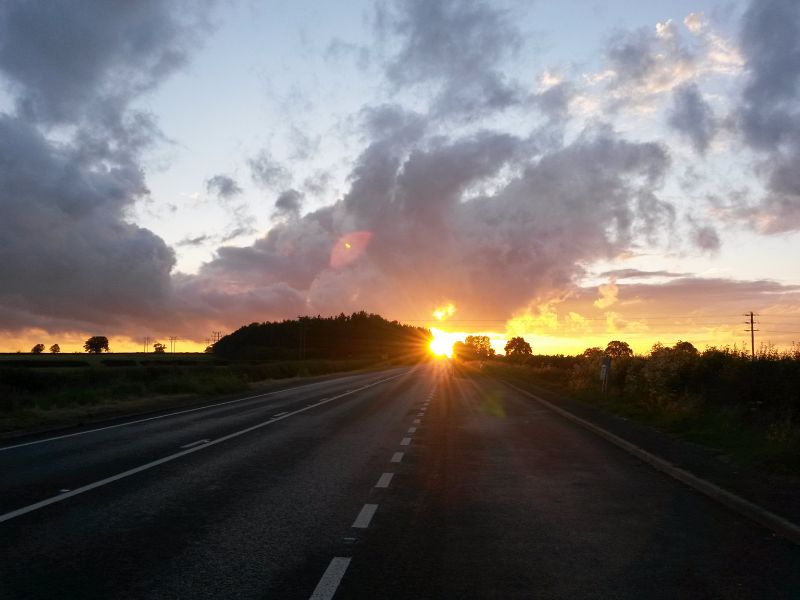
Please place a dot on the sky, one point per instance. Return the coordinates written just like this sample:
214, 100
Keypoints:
571, 172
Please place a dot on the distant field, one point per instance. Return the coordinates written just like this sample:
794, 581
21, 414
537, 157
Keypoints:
108, 359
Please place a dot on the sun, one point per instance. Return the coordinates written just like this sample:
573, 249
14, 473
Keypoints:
442, 343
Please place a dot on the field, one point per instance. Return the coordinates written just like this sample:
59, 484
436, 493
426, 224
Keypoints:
49, 390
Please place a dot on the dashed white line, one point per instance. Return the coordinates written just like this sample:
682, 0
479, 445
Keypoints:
397, 457
412, 430
417, 421
52, 500
197, 443
331, 578
280, 414
405, 441
365, 516
384, 480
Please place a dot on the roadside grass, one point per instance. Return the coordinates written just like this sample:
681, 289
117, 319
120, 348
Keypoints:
36, 398
736, 433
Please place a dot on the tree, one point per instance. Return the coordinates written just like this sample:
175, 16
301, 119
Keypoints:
96, 344
159, 348
617, 349
480, 345
55, 349
518, 348
37, 349
593, 353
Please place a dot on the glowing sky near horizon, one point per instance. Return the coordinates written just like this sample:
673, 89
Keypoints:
571, 172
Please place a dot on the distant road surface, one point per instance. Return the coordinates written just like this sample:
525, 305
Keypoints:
405, 483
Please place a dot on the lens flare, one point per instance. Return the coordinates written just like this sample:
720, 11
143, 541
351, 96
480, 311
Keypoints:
349, 247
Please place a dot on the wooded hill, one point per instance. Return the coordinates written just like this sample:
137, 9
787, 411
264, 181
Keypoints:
360, 335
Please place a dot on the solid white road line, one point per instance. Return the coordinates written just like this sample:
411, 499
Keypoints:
172, 414
197, 443
412, 430
397, 457
365, 516
37, 505
331, 578
405, 441
384, 480
280, 414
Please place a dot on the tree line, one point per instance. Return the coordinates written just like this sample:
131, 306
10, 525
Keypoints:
359, 335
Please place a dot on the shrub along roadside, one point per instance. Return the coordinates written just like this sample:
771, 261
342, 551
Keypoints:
748, 410
31, 398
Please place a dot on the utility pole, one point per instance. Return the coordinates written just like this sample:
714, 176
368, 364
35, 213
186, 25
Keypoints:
752, 334
146, 343
172, 340
216, 335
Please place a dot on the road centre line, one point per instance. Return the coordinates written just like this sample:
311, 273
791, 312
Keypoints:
172, 414
405, 441
37, 505
417, 421
397, 457
365, 516
384, 480
197, 443
331, 578
412, 430
280, 414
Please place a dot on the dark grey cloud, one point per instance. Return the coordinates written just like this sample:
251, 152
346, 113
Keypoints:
432, 237
199, 240
769, 110
456, 46
223, 186
71, 258
67, 63
288, 204
692, 117
704, 237
268, 172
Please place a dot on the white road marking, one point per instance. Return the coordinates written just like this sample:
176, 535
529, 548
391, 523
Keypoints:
412, 430
397, 457
417, 421
280, 414
331, 578
172, 414
365, 516
405, 441
197, 443
384, 480
47, 502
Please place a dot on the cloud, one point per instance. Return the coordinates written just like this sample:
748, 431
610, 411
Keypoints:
456, 46
288, 204
72, 259
609, 293
692, 117
223, 186
768, 114
268, 172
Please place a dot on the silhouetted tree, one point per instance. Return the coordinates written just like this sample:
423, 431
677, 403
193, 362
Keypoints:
96, 344
37, 349
517, 348
159, 348
480, 345
593, 353
55, 349
617, 349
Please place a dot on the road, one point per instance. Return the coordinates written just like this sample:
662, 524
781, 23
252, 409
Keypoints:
405, 483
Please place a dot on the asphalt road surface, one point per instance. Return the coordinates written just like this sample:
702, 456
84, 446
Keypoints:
405, 483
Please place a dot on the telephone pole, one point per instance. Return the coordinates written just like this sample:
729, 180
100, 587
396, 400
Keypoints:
216, 335
172, 340
752, 334
146, 343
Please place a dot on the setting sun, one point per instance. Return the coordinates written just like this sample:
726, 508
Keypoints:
442, 342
